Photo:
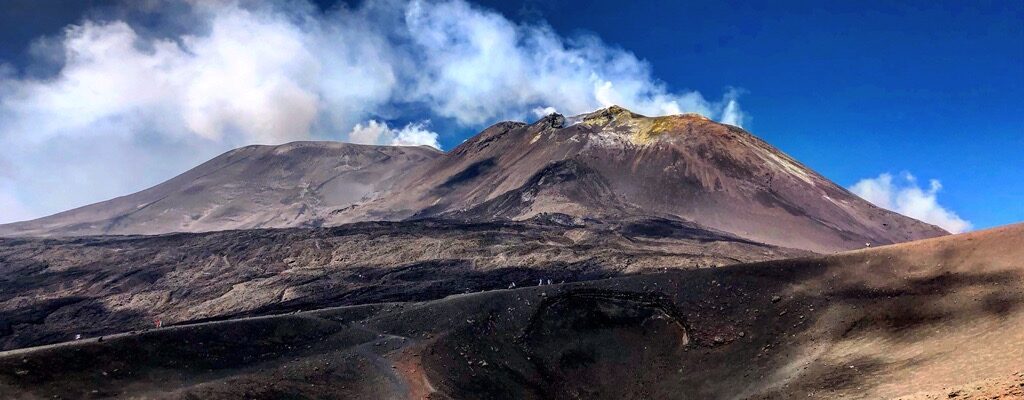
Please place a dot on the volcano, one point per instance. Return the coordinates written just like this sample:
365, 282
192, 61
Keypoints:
614, 162
609, 164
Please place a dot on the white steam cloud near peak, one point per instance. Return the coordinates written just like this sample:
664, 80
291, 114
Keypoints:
903, 195
731, 113
412, 134
541, 112
129, 108
480, 65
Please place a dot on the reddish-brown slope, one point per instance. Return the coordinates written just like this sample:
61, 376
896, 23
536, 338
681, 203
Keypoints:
614, 162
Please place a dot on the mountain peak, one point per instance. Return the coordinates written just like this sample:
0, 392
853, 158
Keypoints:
618, 113
607, 115
625, 126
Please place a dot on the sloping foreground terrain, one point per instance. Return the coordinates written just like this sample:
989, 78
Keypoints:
609, 164
54, 289
938, 317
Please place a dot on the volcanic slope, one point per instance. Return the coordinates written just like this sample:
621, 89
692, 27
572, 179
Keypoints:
54, 289
295, 184
608, 164
614, 162
937, 317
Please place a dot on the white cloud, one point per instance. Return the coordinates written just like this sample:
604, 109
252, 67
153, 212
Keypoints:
413, 134
732, 114
903, 195
129, 108
477, 66
251, 75
541, 112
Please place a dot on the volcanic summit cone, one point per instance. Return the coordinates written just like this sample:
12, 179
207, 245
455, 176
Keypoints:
614, 162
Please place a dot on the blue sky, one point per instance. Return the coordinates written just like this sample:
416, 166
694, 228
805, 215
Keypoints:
852, 89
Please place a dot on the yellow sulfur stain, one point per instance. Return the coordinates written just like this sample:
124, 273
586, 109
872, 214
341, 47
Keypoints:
642, 130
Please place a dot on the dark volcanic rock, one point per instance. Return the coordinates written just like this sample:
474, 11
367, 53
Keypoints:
878, 323
54, 289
